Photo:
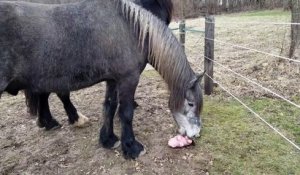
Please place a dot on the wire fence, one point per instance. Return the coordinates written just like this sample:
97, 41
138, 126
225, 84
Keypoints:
254, 50
256, 114
258, 23
190, 49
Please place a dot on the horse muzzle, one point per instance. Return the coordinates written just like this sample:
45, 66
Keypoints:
192, 131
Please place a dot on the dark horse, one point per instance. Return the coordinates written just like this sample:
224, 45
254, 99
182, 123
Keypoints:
38, 103
62, 48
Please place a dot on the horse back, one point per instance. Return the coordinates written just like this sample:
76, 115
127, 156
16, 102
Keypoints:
65, 47
17, 39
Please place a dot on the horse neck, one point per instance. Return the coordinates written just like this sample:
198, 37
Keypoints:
176, 72
164, 52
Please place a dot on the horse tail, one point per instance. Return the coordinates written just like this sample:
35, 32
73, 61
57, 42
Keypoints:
31, 102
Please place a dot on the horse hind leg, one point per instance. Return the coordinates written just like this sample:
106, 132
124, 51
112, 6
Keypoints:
107, 137
75, 118
32, 100
45, 119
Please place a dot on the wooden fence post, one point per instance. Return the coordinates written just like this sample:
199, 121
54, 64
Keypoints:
209, 53
182, 33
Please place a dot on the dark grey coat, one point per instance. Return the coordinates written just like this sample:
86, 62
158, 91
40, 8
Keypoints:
56, 48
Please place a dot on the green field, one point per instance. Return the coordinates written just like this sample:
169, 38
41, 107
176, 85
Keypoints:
241, 144
238, 141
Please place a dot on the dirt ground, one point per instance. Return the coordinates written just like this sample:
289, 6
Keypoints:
26, 149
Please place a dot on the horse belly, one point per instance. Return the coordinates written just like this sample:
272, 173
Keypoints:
68, 76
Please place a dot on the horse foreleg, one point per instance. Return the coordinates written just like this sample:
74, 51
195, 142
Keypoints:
75, 118
107, 137
45, 118
130, 146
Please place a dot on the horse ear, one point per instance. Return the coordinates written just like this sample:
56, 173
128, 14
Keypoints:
197, 79
200, 76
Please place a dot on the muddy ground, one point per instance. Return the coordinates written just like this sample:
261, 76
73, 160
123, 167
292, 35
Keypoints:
26, 149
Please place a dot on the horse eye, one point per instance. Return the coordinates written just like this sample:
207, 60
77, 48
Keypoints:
191, 104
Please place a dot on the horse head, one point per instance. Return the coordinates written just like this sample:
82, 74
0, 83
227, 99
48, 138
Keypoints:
187, 115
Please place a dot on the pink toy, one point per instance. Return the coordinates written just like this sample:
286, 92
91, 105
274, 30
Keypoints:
179, 141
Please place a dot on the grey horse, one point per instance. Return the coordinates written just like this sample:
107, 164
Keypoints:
62, 48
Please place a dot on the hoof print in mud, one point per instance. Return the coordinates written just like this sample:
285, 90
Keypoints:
132, 149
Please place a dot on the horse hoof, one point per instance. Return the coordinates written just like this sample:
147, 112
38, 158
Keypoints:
51, 128
116, 145
82, 121
40, 124
133, 149
109, 141
48, 125
143, 152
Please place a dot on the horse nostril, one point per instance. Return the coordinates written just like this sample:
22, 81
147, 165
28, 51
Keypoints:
198, 122
195, 121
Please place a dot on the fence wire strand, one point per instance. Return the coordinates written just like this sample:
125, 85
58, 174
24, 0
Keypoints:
256, 114
255, 23
254, 50
257, 84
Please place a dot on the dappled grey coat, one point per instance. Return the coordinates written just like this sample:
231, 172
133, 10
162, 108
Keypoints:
38, 49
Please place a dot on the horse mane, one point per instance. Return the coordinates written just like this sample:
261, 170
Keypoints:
165, 53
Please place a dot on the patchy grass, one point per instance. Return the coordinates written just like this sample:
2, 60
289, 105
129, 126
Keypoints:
280, 113
241, 144
267, 13
244, 29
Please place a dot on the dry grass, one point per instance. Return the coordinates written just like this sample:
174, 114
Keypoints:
274, 73
239, 142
